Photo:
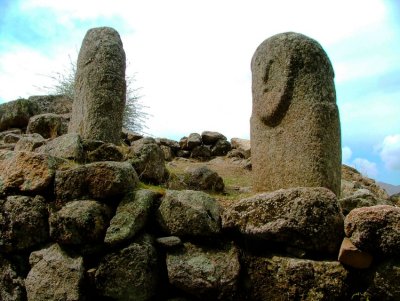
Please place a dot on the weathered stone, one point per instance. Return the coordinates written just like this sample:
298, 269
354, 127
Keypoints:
351, 256
295, 127
100, 87
353, 181
242, 145
48, 125
395, 199
169, 241
129, 136
101, 181
130, 273
201, 152
189, 213
168, 153
385, 284
54, 275
207, 273
148, 160
12, 287
23, 223
10, 131
131, 216
375, 229
56, 104
29, 142
305, 218
221, 148
183, 143
193, 140
80, 222
11, 138
26, 171
105, 152
361, 198
16, 114
183, 153
203, 178
210, 138
174, 145
281, 278
68, 146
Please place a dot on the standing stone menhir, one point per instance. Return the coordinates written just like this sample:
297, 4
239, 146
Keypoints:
295, 127
100, 87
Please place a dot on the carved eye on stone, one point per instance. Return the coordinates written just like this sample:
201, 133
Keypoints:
277, 92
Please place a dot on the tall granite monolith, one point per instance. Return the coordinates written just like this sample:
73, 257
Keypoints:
295, 127
100, 87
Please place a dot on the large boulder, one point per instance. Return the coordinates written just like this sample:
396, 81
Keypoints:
375, 229
211, 138
105, 152
278, 278
147, 158
203, 178
306, 218
26, 171
220, 148
12, 286
193, 140
68, 146
131, 216
56, 104
189, 213
204, 272
16, 114
23, 223
48, 125
80, 223
101, 181
242, 146
130, 273
55, 275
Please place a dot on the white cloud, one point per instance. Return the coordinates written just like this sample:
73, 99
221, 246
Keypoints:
366, 167
346, 154
390, 152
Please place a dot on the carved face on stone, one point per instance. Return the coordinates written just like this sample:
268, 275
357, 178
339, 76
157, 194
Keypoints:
276, 65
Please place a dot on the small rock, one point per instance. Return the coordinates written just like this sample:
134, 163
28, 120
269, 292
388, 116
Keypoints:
361, 198
203, 178
11, 138
351, 256
169, 241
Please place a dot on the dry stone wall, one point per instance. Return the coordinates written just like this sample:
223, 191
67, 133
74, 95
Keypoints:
77, 224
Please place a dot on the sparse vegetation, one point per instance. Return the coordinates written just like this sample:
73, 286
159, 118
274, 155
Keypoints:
135, 114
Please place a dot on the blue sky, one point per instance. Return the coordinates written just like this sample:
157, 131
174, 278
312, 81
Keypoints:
192, 61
